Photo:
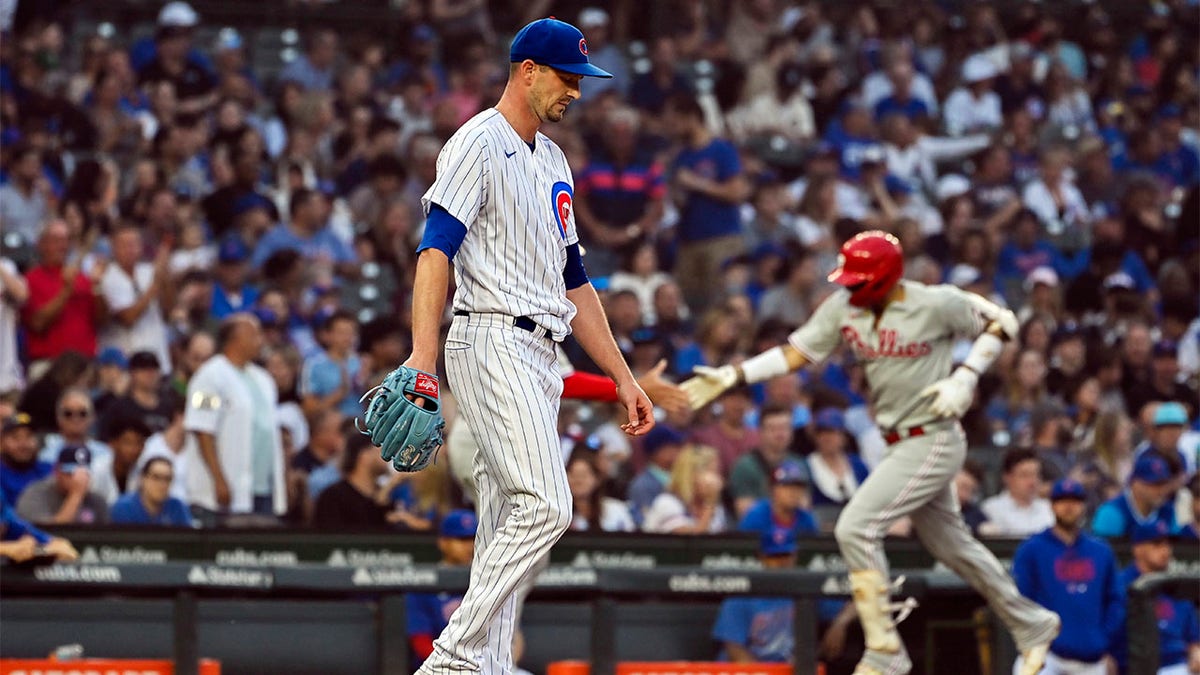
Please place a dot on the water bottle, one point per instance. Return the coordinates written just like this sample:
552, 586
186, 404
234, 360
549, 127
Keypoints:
68, 652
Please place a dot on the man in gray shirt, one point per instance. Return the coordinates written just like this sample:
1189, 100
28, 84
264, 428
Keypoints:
65, 497
23, 204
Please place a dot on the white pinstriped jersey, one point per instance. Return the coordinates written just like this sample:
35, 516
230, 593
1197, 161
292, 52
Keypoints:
517, 207
910, 348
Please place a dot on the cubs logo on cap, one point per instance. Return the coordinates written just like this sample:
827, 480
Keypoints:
563, 197
554, 43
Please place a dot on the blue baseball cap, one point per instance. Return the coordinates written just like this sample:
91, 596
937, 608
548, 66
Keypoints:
232, 250
1170, 413
1169, 111
790, 472
461, 524
112, 356
661, 436
249, 202
1157, 530
1068, 488
829, 418
554, 43
897, 185
1151, 467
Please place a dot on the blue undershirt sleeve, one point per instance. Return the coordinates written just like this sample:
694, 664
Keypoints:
442, 231
573, 273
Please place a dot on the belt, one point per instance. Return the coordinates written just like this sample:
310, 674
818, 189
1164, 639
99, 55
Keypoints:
523, 322
897, 435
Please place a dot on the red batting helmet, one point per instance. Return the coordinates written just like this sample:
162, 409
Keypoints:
870, 264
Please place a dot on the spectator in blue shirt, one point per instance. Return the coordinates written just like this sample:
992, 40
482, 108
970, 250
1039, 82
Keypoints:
19, 463
1180, 161
307, 233
315, 67
900, 74
428, 613
708, 185
21, 541
1146, 500
231, 293
662, 446
1076, 575
1178, 624
760, 629
333, 379
152, 503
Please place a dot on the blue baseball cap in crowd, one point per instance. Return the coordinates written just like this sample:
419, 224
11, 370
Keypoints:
1068, 488
829, 418
72, 457
112, 356
897, 185
1170, 413
1157, 530
1170, 111
232, 250
661, 436
16, 421
1151, 467
249, 202
554, 43
459, 524
790, 472
1166, 349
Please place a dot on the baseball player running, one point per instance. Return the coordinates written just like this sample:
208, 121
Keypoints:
903, 332
500, 208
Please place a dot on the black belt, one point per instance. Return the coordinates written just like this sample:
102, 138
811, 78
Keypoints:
523, 322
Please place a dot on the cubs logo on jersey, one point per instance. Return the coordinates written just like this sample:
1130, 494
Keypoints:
562, 197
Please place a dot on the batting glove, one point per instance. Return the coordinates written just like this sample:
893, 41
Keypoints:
952, 395
708, 384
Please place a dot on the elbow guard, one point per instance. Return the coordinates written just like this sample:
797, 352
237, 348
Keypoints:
1001, 322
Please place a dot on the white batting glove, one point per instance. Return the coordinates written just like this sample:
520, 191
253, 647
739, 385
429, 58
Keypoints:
952, 395
708, 384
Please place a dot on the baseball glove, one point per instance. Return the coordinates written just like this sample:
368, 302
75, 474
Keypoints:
407, 434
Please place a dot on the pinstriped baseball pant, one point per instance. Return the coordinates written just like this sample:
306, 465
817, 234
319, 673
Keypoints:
916, 479
508, 390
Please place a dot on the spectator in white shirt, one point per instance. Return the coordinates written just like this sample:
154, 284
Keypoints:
974, 107
1018, 511
13, 294
135, 292
914, 155
1059, 205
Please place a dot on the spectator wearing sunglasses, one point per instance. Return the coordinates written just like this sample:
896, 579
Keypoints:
152, 504
75, 419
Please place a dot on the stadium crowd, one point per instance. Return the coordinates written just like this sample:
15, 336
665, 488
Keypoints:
206, 261
211, 264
